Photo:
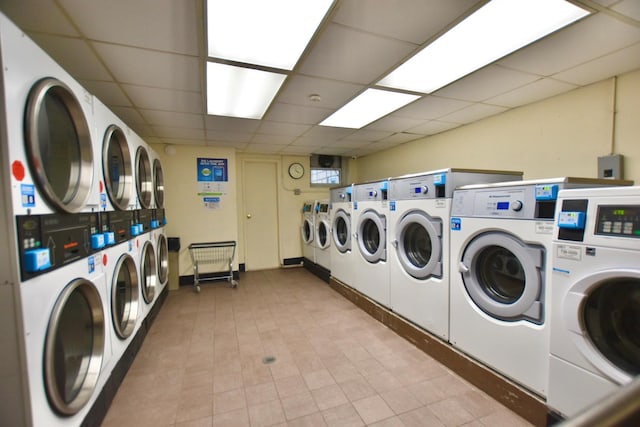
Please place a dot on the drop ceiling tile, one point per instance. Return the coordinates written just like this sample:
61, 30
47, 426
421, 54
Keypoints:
301, 149
431, 107
333, 93
331, 151
486, 83
220, 123
227, 144
535, 91
630, 8
264, 148
178, 141
327, 132
164, 25
349, 55
109, 93
433, 127
151, 68
164, 99
360, 152
280, 128
312, 141
591, 38
394, 123
177, 133
230, 136
616, 63
279, 112
263, 138
74, 55
367, 135
473, 113
142, 130
129, 115
38, 15
349, 143
400, 138
173, 119
415, 21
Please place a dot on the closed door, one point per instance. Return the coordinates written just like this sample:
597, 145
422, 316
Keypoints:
260, 216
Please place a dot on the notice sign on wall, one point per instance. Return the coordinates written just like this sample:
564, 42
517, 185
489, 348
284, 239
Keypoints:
212, 179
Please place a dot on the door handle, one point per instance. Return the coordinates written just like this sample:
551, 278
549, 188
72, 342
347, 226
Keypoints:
463, 268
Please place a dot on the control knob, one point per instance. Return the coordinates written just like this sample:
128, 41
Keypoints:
516, 206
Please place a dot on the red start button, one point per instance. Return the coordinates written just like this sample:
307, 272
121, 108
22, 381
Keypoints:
104, 259
17, 168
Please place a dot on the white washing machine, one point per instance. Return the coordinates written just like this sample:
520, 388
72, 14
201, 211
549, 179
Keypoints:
307, 230
501, 236
595, 296
370, 217
340, 249
323, 235
419, 235
48, 132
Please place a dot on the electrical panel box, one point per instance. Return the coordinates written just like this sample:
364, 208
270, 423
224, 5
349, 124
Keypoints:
610, 166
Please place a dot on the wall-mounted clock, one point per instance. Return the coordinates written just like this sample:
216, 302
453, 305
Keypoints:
296, 170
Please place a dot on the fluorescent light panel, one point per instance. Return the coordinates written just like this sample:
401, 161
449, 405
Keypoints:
271, 33
497, 29
240, 92
367, 107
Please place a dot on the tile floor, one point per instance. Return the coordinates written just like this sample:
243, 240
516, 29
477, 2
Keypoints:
204, 364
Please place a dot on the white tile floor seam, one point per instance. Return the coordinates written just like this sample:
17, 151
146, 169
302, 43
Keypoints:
203, 363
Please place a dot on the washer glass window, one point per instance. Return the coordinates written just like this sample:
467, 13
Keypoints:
307, 231
370, 236
323, 235
59, 147
149, 272
417, 245
500, 274
74, 347
125, 296
144, 177
611, 315
116, 167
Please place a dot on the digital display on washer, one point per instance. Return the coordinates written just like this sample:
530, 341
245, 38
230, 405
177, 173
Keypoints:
502, 206
618, 220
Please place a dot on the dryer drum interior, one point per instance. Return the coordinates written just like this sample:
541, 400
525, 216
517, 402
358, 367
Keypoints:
158, 183
163, 259
116, 167
419, 246
58, 145
148, 273
124, 296
74, 347
611, 316
372, 237
144, 177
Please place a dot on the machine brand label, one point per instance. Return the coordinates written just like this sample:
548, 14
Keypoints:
456, 224
28, 193
569, 252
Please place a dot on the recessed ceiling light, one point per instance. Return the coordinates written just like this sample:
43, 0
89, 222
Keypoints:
367, 107
270, 33
240, 92
495, 30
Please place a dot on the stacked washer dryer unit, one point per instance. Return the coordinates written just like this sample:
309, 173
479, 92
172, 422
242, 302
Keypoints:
370, 217
117, 219
323, 235
308, 230
595, 298
340, 249
419, 235
54, 353
501, 236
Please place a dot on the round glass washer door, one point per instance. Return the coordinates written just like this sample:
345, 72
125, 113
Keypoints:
148, 273
307, 231
341, 231
74, 347
504, 276
144, 178
418, 244
116, 167
58, 145
163, 259
372, 238
158, 183
125, 297
323, 235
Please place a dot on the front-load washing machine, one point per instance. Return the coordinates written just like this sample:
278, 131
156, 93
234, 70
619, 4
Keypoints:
340, 249
323, 235
307, 230
47, 128
501, 236
370, 217
148, 270
595, 296
419, 209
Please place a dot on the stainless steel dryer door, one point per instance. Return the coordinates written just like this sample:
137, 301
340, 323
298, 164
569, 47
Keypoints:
124, 296
58, 145
163, 259
372, 236
74, 347
505, 276
323, 234
116, 167
341, 231
149, 273
158, 183
144, 177
603, 311
418, 244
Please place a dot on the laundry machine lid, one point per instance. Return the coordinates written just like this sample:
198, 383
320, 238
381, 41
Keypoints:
341, 230
124, 296
418, 243
58, 145
74, 347
116, 167
503, 276
372, 236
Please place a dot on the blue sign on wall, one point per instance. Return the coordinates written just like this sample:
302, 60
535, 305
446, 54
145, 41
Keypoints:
212, 170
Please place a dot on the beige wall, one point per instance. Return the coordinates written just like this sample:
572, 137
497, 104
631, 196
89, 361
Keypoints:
560, 136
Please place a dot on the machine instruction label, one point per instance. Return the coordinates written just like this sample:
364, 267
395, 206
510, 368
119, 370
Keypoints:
544, 227
569, 252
